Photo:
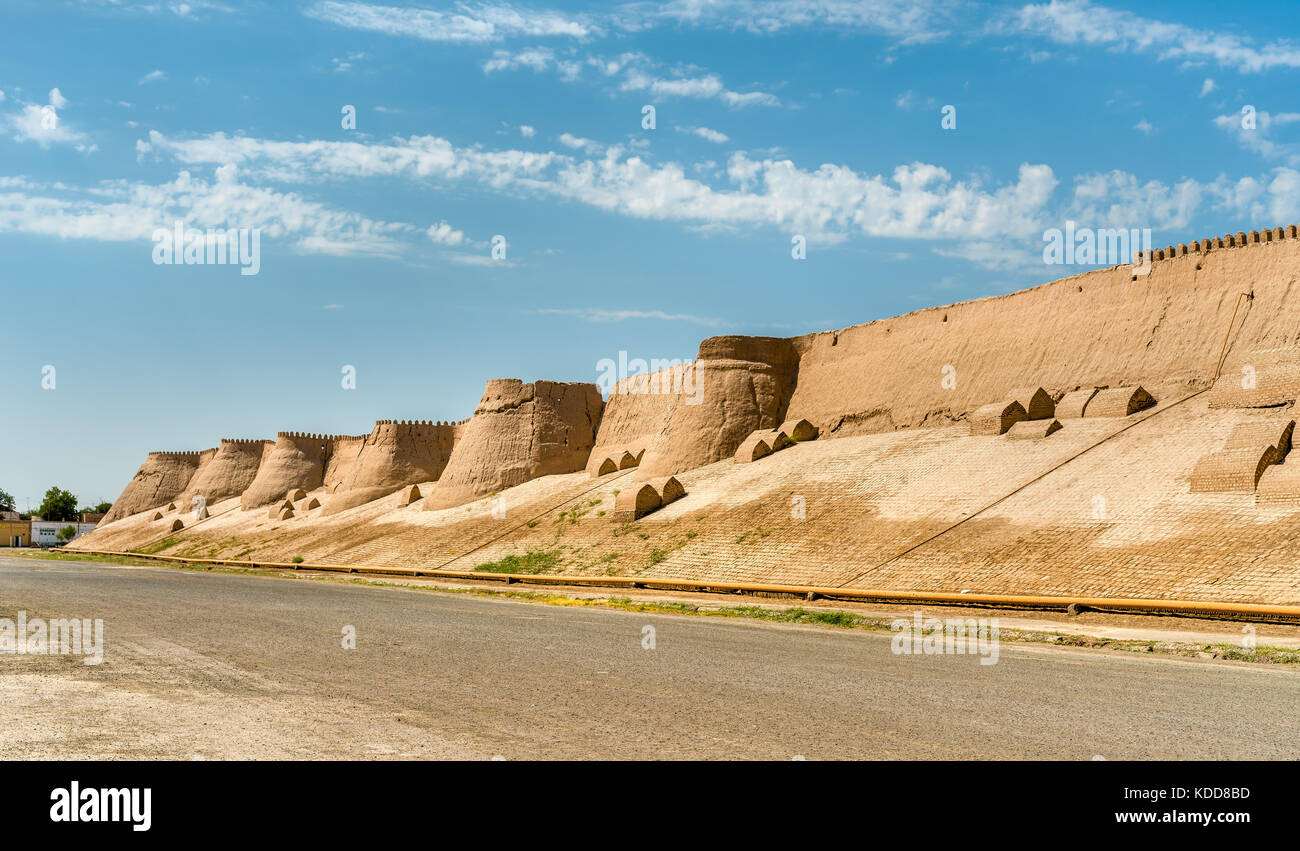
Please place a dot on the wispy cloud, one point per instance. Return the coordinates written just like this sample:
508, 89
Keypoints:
469, 23
628, 72
1079, 22
118, 211
706, 134
831, 202
588, 145
598, 314
1256, 132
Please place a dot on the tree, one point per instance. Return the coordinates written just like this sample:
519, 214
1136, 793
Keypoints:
101, 508
67, 533
58, 505
6, 501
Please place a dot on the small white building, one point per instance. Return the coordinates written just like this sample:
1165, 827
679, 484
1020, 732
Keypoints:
45, 533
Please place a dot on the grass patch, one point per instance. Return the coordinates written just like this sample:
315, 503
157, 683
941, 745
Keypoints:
531, 562
46, 555
157, 546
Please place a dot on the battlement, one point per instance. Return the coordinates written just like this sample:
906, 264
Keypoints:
1240, 239
300, 435
182, 455
417, 422
241, 441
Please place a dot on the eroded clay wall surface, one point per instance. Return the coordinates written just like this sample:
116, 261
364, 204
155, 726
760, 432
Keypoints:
342, 461
231, 470
1098, 328
396, 454
161, 478
740, 384
640, 407
519, 432
296, 461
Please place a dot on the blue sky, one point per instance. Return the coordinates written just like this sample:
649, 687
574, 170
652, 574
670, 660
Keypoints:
817, 118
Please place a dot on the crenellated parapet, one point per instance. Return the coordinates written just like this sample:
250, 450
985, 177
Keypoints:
1240, 239
413, 427
323, 438
414, 422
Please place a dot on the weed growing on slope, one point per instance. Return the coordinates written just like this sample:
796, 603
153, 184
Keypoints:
531, 562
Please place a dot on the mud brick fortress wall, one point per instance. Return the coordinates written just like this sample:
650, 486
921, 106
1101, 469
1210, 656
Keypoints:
1108, 327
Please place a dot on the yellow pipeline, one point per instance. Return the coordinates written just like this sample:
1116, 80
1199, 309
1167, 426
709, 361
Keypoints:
1250, 611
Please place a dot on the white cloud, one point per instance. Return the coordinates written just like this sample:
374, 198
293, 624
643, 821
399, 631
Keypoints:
998, 225
346, 64
444, 234
589, 145
1144, 126
1208, 86
1081, 22
469, 24
911, 21
45, 126
597, 314
633, 72
190, 9
1261, 138
118, 211
911, 100
527, 131
707, 86
832, 202
481, 260
1120, 200
742, 99
707, 134
534, 58
154, 76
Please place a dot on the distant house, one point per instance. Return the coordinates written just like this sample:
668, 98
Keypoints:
14, 532
45, 533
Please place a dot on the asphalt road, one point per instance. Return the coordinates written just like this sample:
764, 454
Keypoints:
208, 666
